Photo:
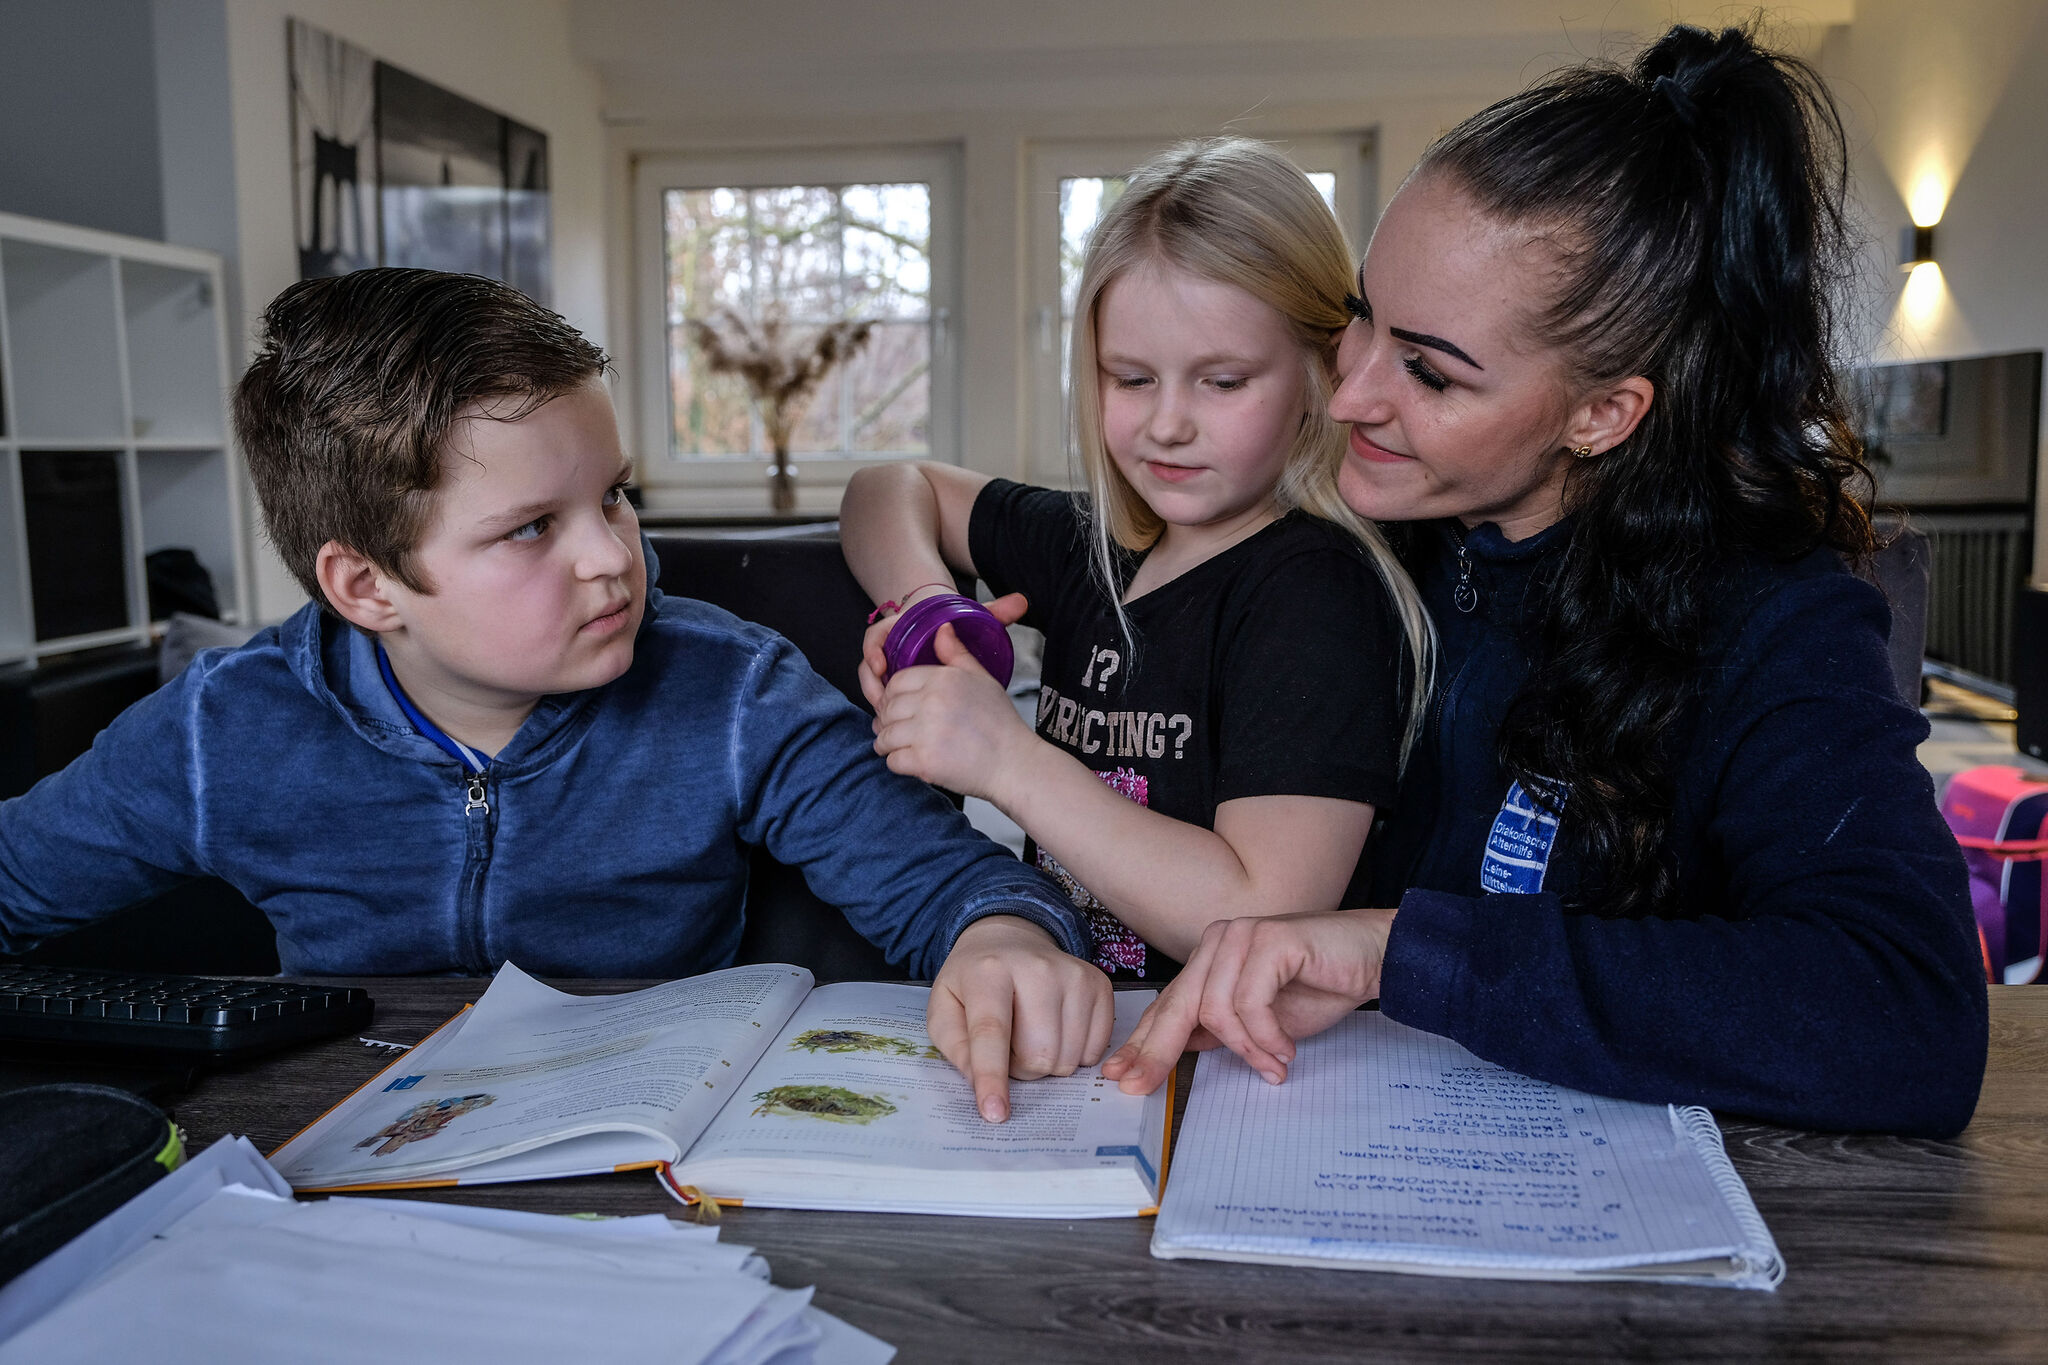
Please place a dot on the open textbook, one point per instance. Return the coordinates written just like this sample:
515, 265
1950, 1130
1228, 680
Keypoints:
747, 1085
1393, 1149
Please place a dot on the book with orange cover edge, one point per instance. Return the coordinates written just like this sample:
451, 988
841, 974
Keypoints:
690, 1194
751, 1085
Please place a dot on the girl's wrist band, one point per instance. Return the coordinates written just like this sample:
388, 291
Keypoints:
893, 606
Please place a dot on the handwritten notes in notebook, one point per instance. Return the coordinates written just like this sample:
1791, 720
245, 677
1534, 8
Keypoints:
1393, 1149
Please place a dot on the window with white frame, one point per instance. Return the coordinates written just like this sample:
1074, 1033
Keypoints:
1074, 185
810, 239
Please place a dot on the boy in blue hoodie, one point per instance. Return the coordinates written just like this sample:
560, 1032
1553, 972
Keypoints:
490, 738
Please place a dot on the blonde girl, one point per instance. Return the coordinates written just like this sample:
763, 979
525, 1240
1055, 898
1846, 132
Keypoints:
1234, 661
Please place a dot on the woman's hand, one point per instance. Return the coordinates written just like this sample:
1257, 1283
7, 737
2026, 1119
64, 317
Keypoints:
952, 725
874, 662
1255, 986
1009, 1004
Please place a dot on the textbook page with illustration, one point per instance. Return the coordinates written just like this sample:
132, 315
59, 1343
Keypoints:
748, 1085
1392, 1149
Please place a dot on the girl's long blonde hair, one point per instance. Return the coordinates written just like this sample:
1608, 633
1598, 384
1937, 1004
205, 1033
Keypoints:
1236, 212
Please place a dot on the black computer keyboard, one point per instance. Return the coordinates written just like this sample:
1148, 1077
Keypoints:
196, 1017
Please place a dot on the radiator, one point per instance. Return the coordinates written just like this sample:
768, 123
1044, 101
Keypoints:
1980, 562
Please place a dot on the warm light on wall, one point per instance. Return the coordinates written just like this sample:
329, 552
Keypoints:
1928, 198
1925, 295
1920, 302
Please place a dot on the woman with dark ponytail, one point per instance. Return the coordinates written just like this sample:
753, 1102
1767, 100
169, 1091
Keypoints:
1665, 835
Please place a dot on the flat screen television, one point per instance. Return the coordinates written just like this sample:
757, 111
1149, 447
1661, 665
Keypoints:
1953, 445
1952, 433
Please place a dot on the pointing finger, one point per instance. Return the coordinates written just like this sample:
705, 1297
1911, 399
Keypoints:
988, 1055
1142, 1064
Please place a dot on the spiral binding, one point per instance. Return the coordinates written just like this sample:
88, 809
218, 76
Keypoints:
1697, 1126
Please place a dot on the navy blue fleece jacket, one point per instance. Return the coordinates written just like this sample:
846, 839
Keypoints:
1819, 968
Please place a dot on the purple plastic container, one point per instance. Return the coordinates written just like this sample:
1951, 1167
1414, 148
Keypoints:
913, 639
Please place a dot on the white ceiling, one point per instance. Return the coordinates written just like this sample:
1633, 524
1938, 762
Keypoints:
665, 59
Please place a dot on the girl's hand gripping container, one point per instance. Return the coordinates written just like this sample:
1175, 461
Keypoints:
913, 640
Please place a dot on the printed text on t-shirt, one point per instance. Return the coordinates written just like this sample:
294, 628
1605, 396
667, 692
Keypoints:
1113, 734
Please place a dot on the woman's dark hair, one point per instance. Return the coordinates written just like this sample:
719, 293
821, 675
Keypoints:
1694, 201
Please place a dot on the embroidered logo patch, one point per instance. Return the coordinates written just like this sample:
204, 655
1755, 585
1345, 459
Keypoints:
1518, 849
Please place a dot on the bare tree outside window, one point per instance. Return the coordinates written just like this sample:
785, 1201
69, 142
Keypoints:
816, 255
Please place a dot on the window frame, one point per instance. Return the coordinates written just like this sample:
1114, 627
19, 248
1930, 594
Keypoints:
737, 484
1351, 156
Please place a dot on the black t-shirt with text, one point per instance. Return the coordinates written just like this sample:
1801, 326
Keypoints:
1272, 669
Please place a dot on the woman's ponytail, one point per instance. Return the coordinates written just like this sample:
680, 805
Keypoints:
1696, 204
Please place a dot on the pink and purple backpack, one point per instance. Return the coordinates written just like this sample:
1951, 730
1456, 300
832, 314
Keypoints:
1998, 814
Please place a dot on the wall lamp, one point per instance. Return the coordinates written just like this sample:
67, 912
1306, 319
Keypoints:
1916, 246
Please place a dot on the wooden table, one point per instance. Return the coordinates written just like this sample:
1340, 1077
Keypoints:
1896, 1248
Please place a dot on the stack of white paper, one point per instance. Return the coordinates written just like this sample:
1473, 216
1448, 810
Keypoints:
217, 1262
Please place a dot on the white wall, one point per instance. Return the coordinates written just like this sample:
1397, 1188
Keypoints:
1948, 101
195, 127
511, 55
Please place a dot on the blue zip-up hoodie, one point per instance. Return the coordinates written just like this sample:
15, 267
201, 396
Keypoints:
612, 840
1820, 969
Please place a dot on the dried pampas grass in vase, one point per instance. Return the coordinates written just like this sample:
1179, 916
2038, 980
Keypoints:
781, 371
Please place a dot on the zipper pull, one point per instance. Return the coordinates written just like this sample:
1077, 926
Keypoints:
476, 801
1465, 594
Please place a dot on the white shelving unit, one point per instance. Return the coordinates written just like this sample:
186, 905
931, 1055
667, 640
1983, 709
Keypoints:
113, 434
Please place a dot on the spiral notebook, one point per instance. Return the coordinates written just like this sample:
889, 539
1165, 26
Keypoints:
1392, 1149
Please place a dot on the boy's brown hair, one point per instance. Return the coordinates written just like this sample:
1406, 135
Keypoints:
356, 383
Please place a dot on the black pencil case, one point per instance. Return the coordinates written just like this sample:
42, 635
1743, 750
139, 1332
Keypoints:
69, 1156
